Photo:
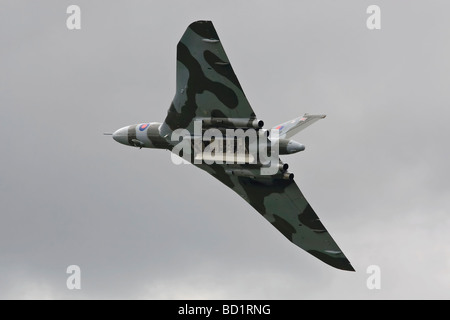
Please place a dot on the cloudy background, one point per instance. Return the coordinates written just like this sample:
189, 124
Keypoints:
375, 170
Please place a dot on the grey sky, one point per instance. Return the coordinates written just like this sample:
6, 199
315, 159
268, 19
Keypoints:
375, 170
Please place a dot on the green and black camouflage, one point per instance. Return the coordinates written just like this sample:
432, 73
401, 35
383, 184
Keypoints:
207, 89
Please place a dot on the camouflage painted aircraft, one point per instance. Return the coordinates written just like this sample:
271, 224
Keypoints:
208, 90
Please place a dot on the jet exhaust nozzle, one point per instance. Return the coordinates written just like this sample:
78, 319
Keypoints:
288, 176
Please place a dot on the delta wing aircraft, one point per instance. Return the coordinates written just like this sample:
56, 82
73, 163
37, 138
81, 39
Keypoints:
209, 96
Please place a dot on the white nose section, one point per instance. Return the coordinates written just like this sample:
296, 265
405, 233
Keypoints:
121, 135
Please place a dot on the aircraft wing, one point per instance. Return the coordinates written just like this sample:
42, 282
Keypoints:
282, 203
206, 83
290, 128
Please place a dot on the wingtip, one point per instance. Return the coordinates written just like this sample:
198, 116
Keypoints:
349, 268
204, 28
339, 262
342, 264
200, 22
321, 116
345, 266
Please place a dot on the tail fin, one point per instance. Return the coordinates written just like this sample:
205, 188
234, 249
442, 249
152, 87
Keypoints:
290, 128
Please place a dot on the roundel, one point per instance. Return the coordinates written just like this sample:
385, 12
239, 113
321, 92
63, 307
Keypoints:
142, 127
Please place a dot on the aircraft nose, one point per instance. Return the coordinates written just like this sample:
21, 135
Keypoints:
121, 135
